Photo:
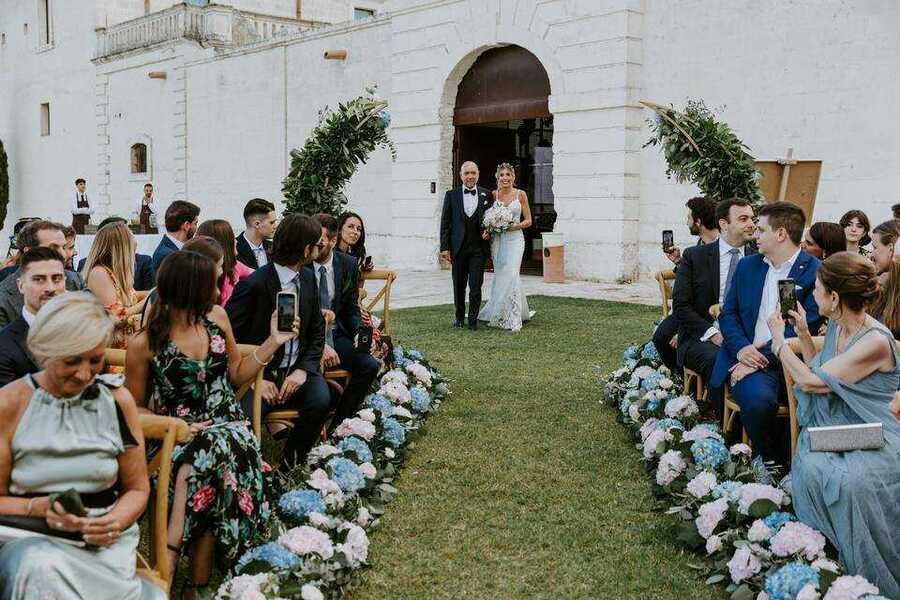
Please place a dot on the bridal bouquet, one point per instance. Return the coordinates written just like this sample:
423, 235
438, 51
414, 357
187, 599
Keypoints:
498, 219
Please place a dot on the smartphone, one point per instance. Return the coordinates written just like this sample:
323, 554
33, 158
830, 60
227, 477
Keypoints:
787, 296
287, 311
364, 339
368, 265
668, 240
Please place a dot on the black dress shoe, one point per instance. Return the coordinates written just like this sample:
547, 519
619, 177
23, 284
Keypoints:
457, 324
473, 326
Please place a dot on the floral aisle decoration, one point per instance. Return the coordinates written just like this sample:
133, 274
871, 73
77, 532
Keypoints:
728, 507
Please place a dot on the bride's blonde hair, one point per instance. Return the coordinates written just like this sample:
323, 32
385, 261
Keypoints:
505, 166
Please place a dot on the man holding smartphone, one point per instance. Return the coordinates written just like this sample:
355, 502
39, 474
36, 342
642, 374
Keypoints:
292, 377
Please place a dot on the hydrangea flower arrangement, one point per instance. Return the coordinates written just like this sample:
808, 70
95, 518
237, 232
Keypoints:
421, 401
297, 504
786, 582
346, 474
709, 453
394, 433
354, 445
272, 554
380, 404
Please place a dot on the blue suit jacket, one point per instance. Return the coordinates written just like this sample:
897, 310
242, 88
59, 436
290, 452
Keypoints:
737, 321
165, 248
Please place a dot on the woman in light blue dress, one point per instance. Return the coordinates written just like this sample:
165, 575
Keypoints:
851, 497
68, 428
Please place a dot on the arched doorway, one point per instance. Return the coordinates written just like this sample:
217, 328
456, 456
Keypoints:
502, 115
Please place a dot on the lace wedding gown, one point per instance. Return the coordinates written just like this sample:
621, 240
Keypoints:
507, 307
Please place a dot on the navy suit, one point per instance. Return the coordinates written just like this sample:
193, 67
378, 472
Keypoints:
165, 248
760, 393
461, 236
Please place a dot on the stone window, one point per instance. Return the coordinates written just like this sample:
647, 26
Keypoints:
45, 118
139, 158
363, 13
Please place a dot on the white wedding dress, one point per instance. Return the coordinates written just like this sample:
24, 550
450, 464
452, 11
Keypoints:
507, 307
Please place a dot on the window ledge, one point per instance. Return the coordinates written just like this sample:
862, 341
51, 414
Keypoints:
45, 47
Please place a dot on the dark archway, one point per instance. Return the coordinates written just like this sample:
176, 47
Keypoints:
502, 114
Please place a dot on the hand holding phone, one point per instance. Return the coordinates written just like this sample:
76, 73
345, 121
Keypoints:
668, 240
286, 309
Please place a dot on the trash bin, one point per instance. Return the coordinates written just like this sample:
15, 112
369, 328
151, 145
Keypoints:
554, 258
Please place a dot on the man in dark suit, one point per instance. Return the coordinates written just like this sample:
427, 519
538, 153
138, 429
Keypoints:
253, 244
463, 243
745, 359
703, 279
181, 225
293, 376
41, 277
336, 277
143, 264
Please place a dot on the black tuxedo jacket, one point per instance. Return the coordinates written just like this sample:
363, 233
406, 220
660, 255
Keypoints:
15, 359
697, 288
245, 252
453, 219
250, 310
345, 303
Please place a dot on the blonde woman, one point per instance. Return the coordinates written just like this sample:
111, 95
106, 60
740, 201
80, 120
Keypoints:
109, 274
68, 427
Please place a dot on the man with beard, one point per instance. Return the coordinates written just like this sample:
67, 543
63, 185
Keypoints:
182, 219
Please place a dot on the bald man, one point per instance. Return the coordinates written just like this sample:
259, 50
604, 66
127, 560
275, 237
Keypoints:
464, 243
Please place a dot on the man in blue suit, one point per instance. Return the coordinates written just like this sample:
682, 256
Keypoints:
745, 358
181, 225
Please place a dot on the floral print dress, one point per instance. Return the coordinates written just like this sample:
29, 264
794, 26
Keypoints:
227, 488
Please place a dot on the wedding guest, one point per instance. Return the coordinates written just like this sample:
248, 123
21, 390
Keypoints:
186, 358
37, 233
33, 237
143, 264
147, 210
181, 225
895, 210
233, 270
109, 274
352, 240
255, 243
856, 229
701, 220
851, 497
81, 208
745, 358
68, 427
336, 275
823, 239
886, 307
292, 377
704, 277
69, 250
42, 277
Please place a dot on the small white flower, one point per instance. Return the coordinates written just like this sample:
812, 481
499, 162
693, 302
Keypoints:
741, 449
389, 452
310, 592
363, 517
368, 470
808, 592
367, 414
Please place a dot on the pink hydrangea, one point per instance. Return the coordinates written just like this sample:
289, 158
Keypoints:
306, 540
796, 537
395, 375
396, 392
653, 440
310, 592
420, 372
752, 492
713, 544
671, 465
355, 426
368, 470
808, 592
244, 586
702, 484
850, 587
681, 406
367, 414
319, 480
356, 544
741, 449
709, 516
759, 531
648, 427
699, 433
743, 565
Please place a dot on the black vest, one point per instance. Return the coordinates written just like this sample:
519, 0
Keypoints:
472, 240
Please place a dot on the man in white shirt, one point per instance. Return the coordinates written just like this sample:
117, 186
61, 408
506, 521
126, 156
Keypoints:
147, 210
81, 207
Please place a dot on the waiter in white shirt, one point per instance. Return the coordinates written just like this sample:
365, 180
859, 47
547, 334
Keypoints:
148, 210
81, 207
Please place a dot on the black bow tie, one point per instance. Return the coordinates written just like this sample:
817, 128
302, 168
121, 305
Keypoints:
468, 191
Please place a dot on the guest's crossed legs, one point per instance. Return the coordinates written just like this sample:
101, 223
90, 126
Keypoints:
363, 368
701, 358
665, 331
759, 395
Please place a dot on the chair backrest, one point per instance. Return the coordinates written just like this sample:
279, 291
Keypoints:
794, 345
383, 295
664, 279
715, 310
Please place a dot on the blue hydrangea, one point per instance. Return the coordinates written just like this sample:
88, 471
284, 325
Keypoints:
384, 119
414, 355
777, 519
441, 389
786, 582
274, 555
299, 503
631, 353
709, 453
394, 433
653, 404
356, 446
728, 489
346, 474
421, 401
651, 382
380, 403
631, 363
711, 427
401, 362
623, 406
650, 353
668, 422
399, 352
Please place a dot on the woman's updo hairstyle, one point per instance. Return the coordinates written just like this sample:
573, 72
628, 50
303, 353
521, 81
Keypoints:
69, 325
852, 277
505, 166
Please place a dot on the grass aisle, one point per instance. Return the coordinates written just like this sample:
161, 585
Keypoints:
522, 486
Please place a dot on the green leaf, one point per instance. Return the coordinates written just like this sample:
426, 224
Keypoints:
717, 578
762, 508
743, 592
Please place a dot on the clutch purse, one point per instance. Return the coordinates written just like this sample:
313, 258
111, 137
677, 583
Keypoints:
843, 438
16, 527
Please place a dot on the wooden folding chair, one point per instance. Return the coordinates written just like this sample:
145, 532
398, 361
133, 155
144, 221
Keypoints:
664, 279
789, 382
694, 384
715, 310
383, 295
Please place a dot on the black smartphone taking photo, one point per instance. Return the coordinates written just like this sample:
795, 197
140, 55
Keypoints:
668, 240
787, 296
364, 339
287, 311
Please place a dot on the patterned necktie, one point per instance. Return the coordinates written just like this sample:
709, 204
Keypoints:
325, 302
732, 265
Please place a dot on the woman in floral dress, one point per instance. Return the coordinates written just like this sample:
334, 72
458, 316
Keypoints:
186, 359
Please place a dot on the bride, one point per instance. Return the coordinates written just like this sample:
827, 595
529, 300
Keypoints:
508, 307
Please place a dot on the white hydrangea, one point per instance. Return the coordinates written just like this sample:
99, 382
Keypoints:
743, 565
713, 544
671, 465
850, 587
310, 592
702, 484
709, 516
681, 406
741, 449
759, 531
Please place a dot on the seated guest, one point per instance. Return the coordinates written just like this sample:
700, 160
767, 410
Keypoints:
851, 497
69, 250
352, 240
109, 274
42, 277
233, 270
254, 243
704, 277
886, 307
745, 358
181, 225
701, 219
293, 377
824, 239
856, 229
68, 406
35, 234
336, 275
187, 360
143, 264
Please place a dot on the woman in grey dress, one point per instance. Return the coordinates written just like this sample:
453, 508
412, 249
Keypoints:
851, 497
67, 427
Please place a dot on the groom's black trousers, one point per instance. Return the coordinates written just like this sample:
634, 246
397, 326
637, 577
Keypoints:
468, 268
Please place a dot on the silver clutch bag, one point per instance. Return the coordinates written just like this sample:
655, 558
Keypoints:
842, 438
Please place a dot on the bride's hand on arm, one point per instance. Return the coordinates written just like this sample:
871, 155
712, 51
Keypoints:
485, 235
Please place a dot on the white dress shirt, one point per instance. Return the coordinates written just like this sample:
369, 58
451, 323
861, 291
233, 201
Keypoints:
154, 207
724, 263
289, 280
29, 318
769, 300
178, 243
258, 251
470, 201
77, 210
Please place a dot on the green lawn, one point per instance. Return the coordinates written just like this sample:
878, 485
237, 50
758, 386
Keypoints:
523, 486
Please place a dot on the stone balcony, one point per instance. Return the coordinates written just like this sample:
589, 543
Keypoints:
210, 26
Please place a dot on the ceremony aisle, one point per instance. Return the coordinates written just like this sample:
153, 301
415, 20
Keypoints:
523, 486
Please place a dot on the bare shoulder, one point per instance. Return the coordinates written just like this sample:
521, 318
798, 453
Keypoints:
218, 316
14, 398
99, 274
523, 197
139, 342
124, 399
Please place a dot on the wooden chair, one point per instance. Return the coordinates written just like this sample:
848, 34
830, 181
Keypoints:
789, 382
694, 384
664, 279
715, 310
383, 295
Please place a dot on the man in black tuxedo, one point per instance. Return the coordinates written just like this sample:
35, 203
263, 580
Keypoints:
703, 279
293, 376
253, 244
182, 219
463, 242
41, 277
336, 275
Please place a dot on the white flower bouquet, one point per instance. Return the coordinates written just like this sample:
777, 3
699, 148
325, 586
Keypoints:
498, 218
